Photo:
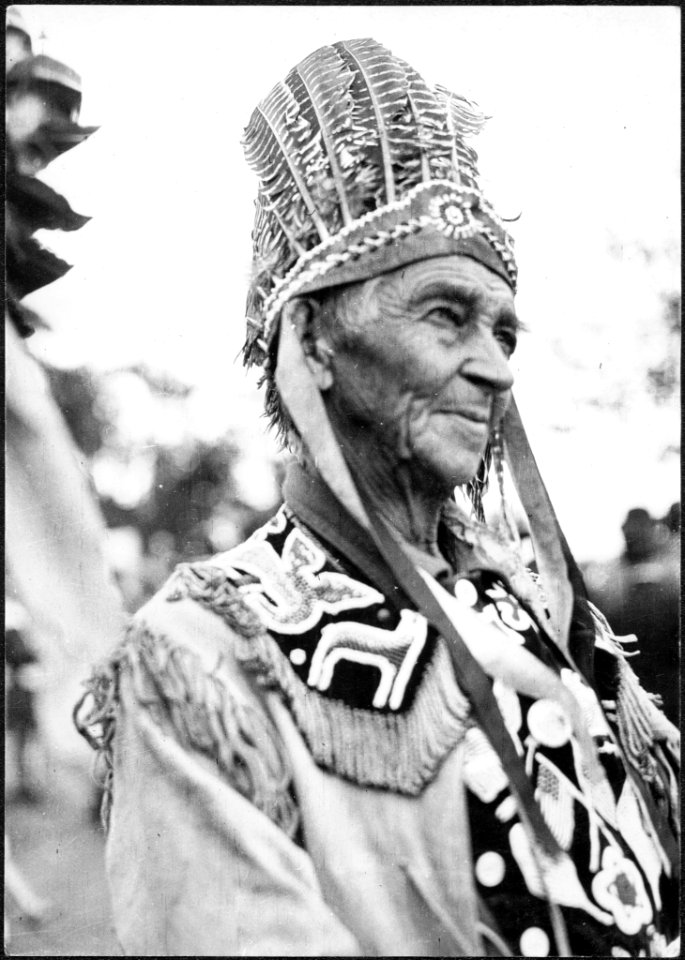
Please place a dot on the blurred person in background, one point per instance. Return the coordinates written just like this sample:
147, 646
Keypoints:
22, 731
368, 730
18, 43
159, 561
640, 594
43, 99
672, 522
54, 534
22, 678
19, 892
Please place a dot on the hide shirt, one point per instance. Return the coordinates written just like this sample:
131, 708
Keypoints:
297, 773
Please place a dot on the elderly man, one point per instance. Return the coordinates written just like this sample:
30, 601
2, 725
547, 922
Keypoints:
369, 730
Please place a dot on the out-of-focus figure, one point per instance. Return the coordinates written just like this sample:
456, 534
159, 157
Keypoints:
22, 730
54, 532
21, 661
640, 594
41, 122
17, 889
48, 494
672, 521
18, 43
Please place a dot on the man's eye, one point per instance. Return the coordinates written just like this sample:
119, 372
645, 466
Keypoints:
447, 315
508, 339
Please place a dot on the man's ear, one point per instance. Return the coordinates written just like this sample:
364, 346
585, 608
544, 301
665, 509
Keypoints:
305, 316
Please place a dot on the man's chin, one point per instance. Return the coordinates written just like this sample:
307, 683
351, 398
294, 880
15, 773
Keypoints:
443, 476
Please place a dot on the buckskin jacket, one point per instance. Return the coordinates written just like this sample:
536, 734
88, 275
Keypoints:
293, 771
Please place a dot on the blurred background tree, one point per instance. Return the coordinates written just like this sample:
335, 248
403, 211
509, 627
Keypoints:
166, 493
663, 377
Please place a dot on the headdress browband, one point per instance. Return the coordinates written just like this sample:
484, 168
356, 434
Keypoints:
362, 168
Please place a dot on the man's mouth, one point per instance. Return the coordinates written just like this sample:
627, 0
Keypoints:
475, 416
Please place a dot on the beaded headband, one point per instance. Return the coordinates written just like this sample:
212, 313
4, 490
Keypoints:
362, 168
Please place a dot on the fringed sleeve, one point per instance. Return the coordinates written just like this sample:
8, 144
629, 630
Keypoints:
202, 857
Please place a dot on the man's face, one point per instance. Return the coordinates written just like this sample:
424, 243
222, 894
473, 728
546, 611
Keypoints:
420, 365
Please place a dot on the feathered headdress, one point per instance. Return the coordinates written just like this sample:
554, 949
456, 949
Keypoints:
362, 168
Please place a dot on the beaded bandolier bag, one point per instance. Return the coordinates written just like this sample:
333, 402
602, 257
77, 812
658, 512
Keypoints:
363, 167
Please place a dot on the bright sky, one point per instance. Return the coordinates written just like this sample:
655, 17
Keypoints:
584, 142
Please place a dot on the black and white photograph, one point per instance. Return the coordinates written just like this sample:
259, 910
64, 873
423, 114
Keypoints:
342, 480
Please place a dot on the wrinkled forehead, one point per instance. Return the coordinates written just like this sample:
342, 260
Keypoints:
449, 276
429, 246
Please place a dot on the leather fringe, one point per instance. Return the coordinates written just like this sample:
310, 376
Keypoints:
650, 741
95, 719
171, 682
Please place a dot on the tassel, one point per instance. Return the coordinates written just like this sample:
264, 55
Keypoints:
478, 486
641, 724
498, 458
95, 719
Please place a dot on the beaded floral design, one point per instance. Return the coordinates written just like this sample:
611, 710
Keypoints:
619, 888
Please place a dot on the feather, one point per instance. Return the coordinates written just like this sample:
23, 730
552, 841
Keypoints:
321, 85
271, 240
428, 121
278, 146
468, 118
380, 92
464, 119
436, 138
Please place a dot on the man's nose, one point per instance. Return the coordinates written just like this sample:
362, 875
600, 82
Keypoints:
486, 363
